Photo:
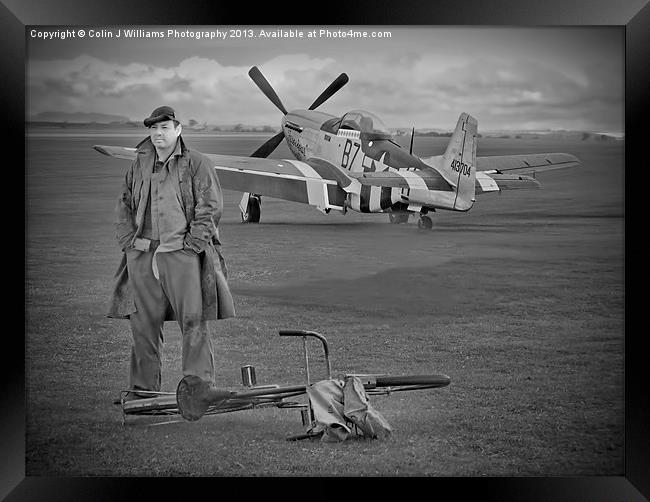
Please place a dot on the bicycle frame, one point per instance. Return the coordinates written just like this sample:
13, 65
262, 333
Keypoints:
195, 397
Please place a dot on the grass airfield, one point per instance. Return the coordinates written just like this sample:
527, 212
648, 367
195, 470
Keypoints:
520, 301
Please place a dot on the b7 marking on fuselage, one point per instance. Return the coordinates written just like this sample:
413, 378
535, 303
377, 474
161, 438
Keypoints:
345, 158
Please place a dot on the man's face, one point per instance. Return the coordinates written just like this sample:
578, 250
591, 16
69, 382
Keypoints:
164, 134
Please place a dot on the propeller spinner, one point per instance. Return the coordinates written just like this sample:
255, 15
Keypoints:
256, 75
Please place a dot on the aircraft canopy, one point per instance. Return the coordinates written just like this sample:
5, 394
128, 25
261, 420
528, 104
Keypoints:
370, 126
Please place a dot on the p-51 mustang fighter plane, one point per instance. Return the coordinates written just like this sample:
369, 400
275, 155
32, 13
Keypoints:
352, 162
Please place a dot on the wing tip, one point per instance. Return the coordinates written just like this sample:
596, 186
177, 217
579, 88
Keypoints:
118, 152
575, 159
568, 158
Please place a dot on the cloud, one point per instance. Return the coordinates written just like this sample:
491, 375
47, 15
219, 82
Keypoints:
499, 92
199, 87
427, 89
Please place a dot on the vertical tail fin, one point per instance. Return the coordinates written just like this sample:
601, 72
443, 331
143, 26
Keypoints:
459, 161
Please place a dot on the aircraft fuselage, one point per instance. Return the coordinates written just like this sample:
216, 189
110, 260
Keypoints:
344, 148
309, 136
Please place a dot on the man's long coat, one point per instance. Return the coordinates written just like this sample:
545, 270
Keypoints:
202, 203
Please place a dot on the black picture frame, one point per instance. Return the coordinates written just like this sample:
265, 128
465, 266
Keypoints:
633, 15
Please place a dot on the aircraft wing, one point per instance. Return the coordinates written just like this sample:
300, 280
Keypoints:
315, 182
426, 179
526, 164
512, 172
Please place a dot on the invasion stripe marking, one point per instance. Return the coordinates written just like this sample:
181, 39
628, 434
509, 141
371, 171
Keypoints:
386, 199
306, 169
316, 189
414, 181
330, 172
394, 180
365, 199
272, 175
375, 198
316, 192
324, 169
336, 196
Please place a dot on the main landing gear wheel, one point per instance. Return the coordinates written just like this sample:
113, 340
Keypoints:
398, 217
425, 223
253, 210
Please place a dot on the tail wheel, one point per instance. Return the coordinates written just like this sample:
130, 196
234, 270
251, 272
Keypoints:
398, 217
253, 210
425, 223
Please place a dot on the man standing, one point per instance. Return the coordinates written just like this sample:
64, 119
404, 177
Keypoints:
167, 227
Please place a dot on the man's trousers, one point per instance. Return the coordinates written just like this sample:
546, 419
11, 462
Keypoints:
179, 287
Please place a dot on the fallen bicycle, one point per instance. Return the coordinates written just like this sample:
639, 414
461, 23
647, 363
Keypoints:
333, 409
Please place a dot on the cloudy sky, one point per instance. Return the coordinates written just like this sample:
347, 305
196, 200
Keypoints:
508, 78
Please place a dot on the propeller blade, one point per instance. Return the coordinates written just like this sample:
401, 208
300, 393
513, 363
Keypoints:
340, 81
256, 75
412, 134
267, 148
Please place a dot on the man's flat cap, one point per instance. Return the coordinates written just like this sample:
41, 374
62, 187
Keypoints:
159, 114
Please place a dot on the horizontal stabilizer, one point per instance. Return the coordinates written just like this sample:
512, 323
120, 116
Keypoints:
496, 182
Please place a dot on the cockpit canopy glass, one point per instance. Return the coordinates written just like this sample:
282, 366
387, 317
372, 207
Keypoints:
368, 124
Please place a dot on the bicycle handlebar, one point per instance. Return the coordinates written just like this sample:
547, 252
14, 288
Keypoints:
300, 332
305, 334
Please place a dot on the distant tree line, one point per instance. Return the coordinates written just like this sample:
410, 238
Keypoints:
243, 128
435, 134
587, 135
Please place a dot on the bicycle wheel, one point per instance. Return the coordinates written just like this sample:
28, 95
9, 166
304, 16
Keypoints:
386, 384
